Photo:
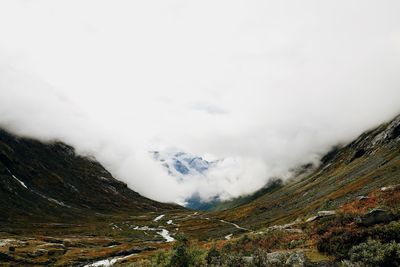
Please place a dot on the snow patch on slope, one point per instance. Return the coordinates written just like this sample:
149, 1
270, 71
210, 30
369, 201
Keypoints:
19, 181
108, 262
159, 218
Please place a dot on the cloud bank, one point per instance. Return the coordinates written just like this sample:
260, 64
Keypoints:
265, 85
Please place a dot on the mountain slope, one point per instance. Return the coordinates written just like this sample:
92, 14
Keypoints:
51, 181
369, 162
272, 185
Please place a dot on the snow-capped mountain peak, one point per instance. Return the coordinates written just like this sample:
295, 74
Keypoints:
179, 163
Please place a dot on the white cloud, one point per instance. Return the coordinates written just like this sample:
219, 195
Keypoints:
266, 84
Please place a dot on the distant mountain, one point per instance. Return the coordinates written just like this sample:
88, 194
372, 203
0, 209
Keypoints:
181, 165
50, 181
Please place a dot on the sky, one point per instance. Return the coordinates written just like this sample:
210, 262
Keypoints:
264, 86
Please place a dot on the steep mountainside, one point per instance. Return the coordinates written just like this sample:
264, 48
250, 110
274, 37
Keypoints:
370, 162
51, 182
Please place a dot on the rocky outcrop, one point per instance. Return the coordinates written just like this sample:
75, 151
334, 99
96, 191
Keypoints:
375, 216
390, 188
321, 214
278, 259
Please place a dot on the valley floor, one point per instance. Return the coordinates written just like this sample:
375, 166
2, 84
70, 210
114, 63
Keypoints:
106, 240
329, 238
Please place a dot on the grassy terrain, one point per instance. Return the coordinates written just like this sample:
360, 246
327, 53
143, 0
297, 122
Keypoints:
87, 241
341, 238
319, 242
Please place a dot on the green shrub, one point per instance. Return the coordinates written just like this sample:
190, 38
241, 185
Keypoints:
161, 259
387, 233
213, 256
235, 260
261, 258
339, 242
197, 256
374, 253
180, 254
